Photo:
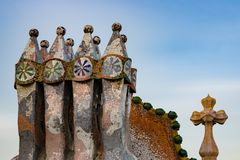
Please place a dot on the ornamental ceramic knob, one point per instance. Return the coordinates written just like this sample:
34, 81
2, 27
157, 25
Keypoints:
33, 32
124, 38
96, 40
116, 27
88, 29
44, 44
69, 42
61, 30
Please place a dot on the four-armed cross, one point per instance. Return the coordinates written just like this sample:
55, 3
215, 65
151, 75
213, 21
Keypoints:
208, 117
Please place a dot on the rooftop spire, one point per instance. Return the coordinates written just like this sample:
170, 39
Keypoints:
87, 46
31, 51
124, 40
58, 49
97, 41
69, 43
115, 44
44, 45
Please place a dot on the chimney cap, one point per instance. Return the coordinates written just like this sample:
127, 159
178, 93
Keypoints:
116, 27
33, 32
61, 30
96, 40
44, 44
124, 38
88, 29
69, 42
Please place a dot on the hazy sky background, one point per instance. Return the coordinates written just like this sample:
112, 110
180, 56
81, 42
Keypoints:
183, 50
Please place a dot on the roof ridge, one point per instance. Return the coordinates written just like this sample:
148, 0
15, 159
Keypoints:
172, 115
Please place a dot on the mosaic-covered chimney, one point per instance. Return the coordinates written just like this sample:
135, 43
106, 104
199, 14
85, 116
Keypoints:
83, 91
74, 106
30, 100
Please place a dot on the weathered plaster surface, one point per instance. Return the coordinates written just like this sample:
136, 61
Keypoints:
114, 98
55, 139
30, 121
87, 47
24, 91
116, 46
26, 123
83, 113
27, 146
58, 49
26, 97
31, 51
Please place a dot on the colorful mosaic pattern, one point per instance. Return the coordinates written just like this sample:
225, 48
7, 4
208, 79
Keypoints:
127, 69
25, 72
54, 71
112, 66
82, 68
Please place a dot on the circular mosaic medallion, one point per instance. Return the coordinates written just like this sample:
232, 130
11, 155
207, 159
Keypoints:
112, 66
53, 71
127, 68
25, 72
82, 68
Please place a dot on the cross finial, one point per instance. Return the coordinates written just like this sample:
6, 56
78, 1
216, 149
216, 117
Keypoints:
208, 117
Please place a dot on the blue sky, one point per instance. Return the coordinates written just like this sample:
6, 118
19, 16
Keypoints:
183, 50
